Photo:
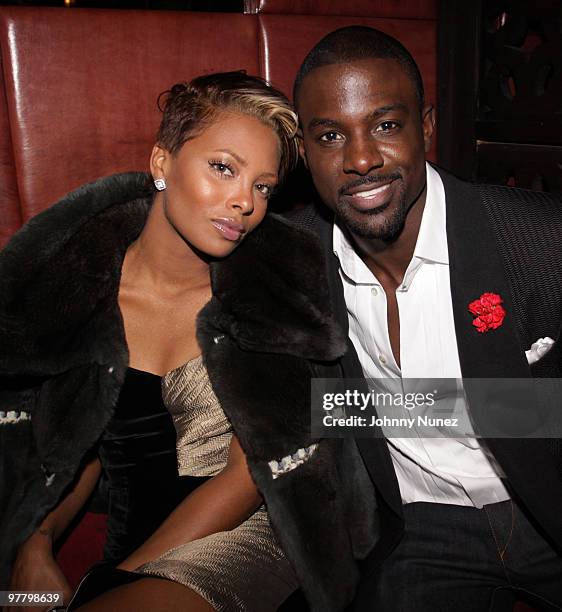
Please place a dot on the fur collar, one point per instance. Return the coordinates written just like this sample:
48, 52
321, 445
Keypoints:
272, 296
60, 280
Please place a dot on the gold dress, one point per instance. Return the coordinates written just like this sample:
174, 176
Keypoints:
239, 570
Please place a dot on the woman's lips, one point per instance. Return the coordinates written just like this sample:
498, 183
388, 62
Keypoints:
228, 229
369, 197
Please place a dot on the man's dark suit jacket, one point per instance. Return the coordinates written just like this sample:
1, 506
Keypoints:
507, 241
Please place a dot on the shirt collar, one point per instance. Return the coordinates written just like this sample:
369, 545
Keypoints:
352, 266
430, 246
432, 238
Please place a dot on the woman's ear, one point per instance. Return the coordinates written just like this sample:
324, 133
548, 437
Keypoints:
158, 162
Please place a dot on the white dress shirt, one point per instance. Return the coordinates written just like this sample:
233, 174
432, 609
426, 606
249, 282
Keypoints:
437, 469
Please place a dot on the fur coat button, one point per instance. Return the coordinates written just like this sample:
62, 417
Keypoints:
217, 339
49, 476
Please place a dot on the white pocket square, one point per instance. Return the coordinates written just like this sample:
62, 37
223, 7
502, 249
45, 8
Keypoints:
539, 349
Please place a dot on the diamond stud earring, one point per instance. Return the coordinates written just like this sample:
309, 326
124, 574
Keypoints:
160, 184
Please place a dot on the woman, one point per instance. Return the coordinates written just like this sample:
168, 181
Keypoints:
131, 310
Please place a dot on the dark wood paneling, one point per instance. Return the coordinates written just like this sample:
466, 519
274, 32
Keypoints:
521, 71
521, 165
500, 76
457, 51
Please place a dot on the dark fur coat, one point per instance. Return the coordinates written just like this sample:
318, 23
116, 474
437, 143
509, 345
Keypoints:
266, 331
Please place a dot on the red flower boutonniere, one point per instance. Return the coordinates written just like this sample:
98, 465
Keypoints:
488, 311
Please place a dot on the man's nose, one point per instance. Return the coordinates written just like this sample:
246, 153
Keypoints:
361, 156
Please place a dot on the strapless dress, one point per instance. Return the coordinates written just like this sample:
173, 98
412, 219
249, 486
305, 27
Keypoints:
243, 569
138, 455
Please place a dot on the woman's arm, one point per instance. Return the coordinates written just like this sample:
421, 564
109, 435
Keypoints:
35, 568
220, 504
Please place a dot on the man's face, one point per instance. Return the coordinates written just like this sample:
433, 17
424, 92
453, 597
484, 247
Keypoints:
364, 142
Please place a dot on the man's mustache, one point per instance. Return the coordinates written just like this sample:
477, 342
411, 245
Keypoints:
371, 179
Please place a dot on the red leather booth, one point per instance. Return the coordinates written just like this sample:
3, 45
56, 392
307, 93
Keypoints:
78, 86
78, 91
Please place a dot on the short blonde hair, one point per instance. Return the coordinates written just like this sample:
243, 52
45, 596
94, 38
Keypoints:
189, 107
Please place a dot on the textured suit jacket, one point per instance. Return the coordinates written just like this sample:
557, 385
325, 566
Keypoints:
507, 241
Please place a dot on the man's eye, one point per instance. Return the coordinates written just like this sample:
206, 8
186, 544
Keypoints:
222, 168
330, 137
387, 126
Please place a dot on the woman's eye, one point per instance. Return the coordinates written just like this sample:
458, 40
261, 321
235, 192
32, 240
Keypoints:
222, 168
387, 126
330, 137
265, 189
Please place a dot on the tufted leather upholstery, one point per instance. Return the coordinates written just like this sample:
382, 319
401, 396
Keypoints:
412, 9
78, 91
79, 86
292, 36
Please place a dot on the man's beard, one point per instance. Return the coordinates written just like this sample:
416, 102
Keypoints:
386, 228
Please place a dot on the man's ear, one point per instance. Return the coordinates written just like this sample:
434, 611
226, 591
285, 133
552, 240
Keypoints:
302, 152
158, 162
428, 125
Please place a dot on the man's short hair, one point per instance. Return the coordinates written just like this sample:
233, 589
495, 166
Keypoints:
357, 43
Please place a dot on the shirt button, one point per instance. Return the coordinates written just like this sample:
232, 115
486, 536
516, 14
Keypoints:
382, 359
374, 291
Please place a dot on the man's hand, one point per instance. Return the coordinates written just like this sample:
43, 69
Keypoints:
35, 569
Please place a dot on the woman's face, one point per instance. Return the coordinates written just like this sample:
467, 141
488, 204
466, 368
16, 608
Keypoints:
219, 182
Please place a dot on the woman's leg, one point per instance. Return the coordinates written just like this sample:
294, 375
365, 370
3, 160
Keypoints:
152, 594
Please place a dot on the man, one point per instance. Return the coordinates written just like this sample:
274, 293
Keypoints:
463, 523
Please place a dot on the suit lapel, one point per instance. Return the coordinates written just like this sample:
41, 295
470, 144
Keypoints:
475, 268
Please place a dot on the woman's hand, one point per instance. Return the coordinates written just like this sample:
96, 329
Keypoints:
35, 569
